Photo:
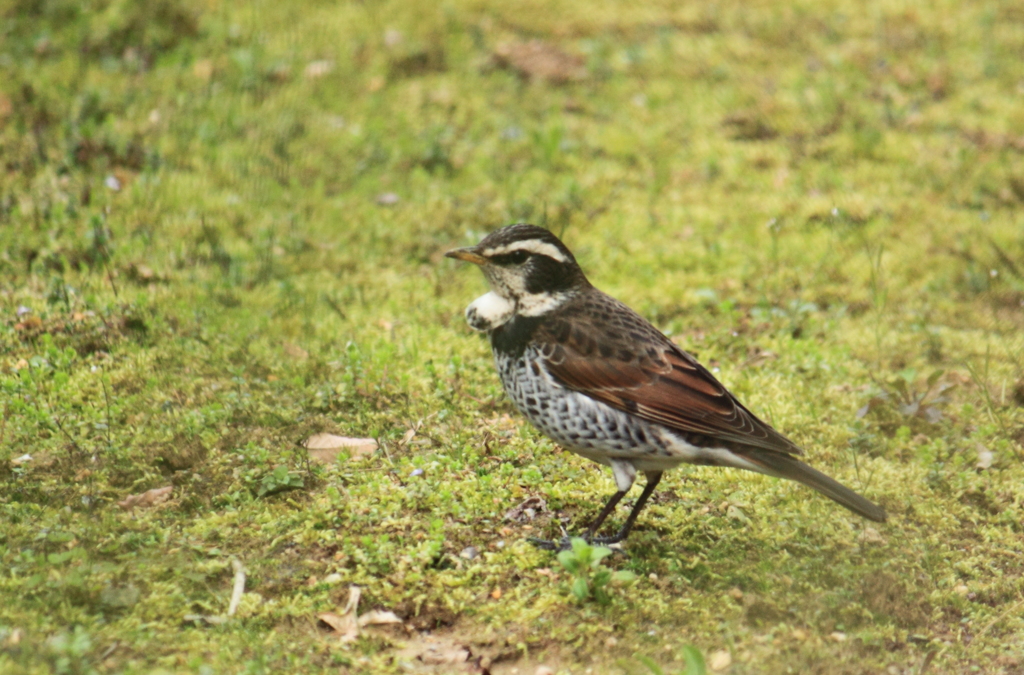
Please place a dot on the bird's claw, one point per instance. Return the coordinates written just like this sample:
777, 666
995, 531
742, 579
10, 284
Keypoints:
565, 543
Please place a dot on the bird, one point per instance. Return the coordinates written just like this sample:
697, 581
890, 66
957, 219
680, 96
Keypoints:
600, 380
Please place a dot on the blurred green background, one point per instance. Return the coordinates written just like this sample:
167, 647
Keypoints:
221, 232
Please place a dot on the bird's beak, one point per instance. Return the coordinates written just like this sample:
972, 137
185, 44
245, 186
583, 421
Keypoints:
468, 254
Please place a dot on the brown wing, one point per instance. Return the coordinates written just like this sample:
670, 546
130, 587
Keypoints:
607, 351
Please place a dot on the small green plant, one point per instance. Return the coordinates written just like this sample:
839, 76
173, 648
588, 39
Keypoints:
69, 652
280, 480
584, 562
692, 658
909, 401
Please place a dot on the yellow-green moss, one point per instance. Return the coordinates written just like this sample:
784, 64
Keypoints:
820, 200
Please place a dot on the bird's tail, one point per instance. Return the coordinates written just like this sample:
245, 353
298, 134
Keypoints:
786, 466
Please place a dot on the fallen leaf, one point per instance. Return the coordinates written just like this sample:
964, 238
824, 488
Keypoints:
346, 623
871, 536
528, 510
378, 618
15, 637
295, 351
147, 499
539, 60
203, 69
985, 458
345, 626
141, 272
440, 654
325, 448
407, 436
317, 69
17, 461
30, 323
720, 660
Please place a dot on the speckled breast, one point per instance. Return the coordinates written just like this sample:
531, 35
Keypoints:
571, 419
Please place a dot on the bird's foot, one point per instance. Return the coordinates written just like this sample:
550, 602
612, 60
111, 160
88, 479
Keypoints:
565, 543
611, 541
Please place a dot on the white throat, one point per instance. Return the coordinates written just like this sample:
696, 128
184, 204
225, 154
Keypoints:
491, 310
488, 312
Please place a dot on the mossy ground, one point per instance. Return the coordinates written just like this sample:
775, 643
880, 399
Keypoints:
820, 199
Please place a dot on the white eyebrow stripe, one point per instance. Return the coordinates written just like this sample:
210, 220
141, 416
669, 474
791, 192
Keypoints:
530, 245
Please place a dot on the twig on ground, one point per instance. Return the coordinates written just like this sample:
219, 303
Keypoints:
239, 589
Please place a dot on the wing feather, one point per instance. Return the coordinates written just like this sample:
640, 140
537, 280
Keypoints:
614, 355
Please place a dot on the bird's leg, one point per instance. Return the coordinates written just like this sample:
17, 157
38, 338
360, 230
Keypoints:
653, 477
605, 512
564, 544
624, 473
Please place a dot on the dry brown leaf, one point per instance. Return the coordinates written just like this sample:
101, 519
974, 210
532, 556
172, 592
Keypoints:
295, 351
316, 69
141, 272
720, 660
407, 436
437, 654
203, 69
539, 60
378, 618
147, 499
335, 622
985, 458
528, 510
871, 536
345, 624
325, 448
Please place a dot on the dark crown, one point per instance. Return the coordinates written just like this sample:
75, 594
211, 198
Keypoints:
511, 234
548, 264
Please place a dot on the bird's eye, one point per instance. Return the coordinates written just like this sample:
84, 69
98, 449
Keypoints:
513, 258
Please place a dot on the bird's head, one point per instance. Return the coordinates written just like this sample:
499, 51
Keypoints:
526, 266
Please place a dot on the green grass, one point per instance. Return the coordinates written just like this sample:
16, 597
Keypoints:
824, 201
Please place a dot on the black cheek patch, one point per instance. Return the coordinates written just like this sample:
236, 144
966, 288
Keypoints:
546, 274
